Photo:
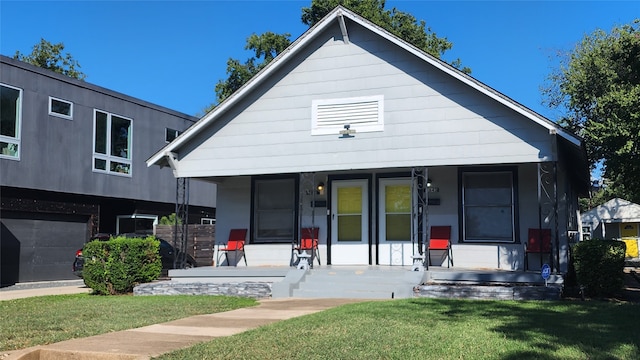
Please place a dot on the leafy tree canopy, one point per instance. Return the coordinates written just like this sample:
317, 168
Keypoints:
598, 83
399, 23
49, 56
268, 45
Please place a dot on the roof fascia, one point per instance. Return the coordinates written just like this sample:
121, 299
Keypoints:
466, 79
274, 65
339, 13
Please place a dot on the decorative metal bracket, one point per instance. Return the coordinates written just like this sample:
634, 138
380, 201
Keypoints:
419, 207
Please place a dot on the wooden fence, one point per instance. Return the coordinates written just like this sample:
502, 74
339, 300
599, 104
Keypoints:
201, 240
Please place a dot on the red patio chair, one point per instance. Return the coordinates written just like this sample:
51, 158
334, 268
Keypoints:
538, 242
235, 244
308, 243
440, 239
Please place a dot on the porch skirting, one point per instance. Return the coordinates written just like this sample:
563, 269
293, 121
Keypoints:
255, 290
492, 292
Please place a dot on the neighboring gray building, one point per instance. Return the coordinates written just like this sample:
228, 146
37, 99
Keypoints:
72, 163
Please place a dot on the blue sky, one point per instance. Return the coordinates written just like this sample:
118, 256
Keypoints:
172, 53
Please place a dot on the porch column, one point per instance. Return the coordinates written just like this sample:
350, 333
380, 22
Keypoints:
548, 208
180, 234
308, 192
419, 215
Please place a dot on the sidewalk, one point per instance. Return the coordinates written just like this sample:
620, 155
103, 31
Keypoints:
42, 288
154, 340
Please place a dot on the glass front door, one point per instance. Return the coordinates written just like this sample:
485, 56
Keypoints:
350, 222
394, 214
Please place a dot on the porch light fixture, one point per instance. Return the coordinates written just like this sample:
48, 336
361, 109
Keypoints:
320, 188
428, 182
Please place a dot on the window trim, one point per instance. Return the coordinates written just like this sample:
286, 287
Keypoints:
17, 139
166, 134
253, 219
64, 116
108, 157
515, 218
136, 216
370, 126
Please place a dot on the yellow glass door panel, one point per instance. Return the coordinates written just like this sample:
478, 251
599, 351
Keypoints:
395, 247
349, 222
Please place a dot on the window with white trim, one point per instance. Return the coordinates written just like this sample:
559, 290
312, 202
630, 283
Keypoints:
488, 206
207, 221
112, 143
171, 134
60, 108
274, 204
10, 121
361, 114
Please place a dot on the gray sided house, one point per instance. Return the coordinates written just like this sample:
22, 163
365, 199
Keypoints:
72, 163
374, 142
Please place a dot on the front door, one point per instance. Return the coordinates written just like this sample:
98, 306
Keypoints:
349, 222
394, 213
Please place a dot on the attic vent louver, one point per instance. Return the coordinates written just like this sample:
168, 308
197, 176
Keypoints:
363, 114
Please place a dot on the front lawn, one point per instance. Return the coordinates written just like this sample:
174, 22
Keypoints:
441, 329
48, 319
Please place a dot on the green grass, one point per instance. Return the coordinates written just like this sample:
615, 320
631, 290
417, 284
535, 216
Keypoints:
48, 319
441, 329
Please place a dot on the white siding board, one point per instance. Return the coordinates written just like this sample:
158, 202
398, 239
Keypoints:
429, 119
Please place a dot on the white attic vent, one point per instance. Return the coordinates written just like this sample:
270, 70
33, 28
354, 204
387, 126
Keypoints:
362, 114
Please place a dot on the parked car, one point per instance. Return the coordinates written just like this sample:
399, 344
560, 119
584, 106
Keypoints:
167, 254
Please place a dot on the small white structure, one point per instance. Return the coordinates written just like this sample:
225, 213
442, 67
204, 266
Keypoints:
615, 219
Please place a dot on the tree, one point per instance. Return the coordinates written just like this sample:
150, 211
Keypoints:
598, 84
49, 56
399, 23
268, 45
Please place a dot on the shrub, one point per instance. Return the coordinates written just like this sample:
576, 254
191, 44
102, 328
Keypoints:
117, 265
599, 266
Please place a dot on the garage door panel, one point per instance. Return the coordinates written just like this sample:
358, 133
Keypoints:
47, 244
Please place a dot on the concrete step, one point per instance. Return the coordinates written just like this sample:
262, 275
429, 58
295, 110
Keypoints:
367, 284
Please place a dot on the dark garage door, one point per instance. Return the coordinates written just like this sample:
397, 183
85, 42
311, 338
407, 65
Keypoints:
40, 247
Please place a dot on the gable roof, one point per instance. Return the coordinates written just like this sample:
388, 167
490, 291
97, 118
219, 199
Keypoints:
339, 14
614, 210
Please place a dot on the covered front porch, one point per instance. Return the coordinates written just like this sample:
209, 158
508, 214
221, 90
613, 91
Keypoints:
386, 217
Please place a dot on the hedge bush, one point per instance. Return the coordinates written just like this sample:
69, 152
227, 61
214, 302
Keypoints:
599, 266
117, 265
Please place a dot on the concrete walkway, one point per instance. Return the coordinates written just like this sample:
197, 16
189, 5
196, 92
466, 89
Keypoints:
155, 340
52, 289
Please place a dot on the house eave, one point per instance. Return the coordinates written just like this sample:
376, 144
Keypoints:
339, 14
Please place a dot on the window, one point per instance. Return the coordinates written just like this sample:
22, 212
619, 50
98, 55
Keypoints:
488, 206
362, 114
60, 108
207, 221
112, 143
171, 134
397, 210
11, 113
274, 210
136, 223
